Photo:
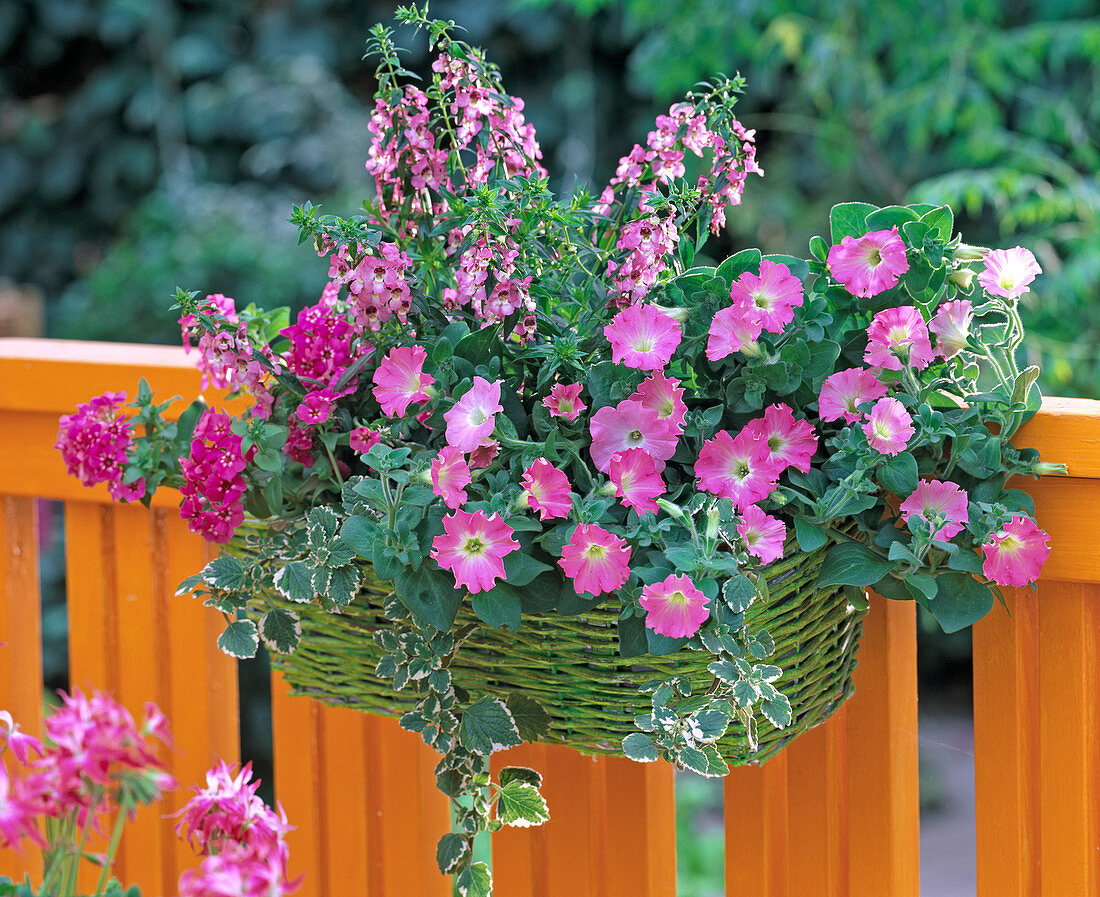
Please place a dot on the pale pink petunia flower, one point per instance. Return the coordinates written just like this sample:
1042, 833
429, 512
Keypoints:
472, 418
547, 489
676, 608
940, 503
363, 439
843, 392
889, 427
763, 534
870, 264
952, 326
636, 480
627, 425
770, 297
665, 396
565, 401
400, 380
739, 469
450, 476
1015, 555
642, 337
731, 330
596, 560
790, 441
473, 547
1008, 272
898, 337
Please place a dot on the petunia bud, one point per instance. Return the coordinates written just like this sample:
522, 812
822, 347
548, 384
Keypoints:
962, 277
1049, 468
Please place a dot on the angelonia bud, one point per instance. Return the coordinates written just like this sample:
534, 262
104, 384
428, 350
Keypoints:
673, 510
1049, 468
961, 277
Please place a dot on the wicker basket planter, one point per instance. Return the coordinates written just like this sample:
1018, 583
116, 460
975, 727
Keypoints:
572, 666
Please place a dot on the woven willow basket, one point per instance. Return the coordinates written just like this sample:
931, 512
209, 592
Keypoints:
572, 667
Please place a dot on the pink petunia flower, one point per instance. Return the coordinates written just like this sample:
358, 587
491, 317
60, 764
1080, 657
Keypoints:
770, 297
547, 489
616, 428
636, 480
450, 476
400, 380
898, 337
942, 504
889, 427
473, 547
739, 469
676, 608
363, 439
731, 330
870, 264
596, 560
763, 534
1015, 555
1008, 272
790, 441
843, 392
472, 418
484, 454
565, 401
642, 337
665, 396
952, 326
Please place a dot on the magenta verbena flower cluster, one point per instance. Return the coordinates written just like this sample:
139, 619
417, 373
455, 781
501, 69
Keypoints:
521, 403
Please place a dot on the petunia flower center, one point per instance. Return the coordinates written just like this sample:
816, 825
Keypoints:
595, 552
473, 546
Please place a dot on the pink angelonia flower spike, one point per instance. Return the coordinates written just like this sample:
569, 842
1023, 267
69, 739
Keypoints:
791, 442
769, 297
763, 534
952, 326
472, 418
870, 264
665, 396
400, 380
889, 427
676, 608
595, 560
1015, 555
547, 489
642, 337
739, 469
1008, 272
473, 547
565, 401
636, 480
731, 330
450, 476
616, 428
843, 392
942, 504
898, 337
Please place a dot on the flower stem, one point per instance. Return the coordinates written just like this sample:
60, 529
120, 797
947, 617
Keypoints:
116, 837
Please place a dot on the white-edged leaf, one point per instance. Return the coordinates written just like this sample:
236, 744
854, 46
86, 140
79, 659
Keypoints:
240, 639
521, 805
450, 851
224, 572
281, 630
639, 747
475, 881
778, 710
521, 774
343, 584
294, 580
487, 726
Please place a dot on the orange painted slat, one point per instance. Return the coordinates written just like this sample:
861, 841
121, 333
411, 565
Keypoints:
883, 794
611, 831
757, 829
91, 593
21, 635
1065, 430
1069, 761
1066, 509
344, 748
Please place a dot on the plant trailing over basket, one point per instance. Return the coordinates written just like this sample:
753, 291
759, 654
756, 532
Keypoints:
510, 409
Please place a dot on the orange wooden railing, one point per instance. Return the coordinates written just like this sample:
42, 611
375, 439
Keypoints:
835, 814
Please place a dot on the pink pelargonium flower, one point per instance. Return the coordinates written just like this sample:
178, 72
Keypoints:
870, 264
843, 392
616, 428
14, 737
596, 560
363, 439
473, 547
770, 297
952, 326
763, 534
942, 504
565, 401
791, 442
1015, 554
731, 330
898, 337
1008, 272
472, 418
889, 427
636, 480
450, 476
547, 489
739, 469
676, 608
400, 380
665, 396
642, 337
